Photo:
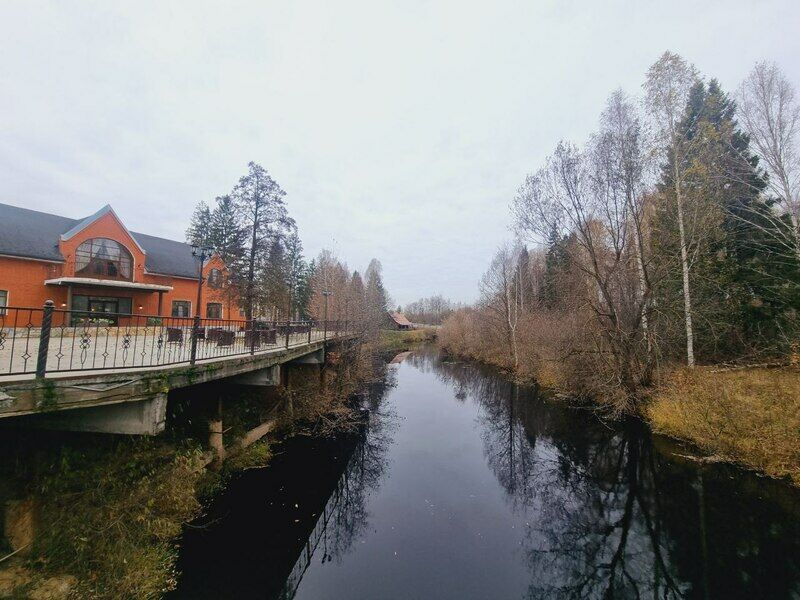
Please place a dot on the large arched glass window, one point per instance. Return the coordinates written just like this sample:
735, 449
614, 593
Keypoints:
101, 257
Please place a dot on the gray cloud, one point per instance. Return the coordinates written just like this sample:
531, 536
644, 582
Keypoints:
399, 130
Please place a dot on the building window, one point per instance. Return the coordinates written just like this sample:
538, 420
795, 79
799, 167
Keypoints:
213, 310
181, 308
101, 257
3, 302
215, 279
99, 308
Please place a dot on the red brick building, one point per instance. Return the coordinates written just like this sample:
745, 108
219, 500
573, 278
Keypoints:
95, 265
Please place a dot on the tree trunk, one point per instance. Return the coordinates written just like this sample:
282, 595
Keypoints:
790, 207
644, 286
251, 268
687, 297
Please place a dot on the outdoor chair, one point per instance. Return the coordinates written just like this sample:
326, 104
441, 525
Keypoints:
212, 335
226, 338
252, 338
174, 334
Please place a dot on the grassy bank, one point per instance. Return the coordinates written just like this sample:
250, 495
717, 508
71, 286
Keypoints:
392, 341
747, 416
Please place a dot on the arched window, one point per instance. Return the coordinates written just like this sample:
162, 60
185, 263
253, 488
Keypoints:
215, 278
104, 258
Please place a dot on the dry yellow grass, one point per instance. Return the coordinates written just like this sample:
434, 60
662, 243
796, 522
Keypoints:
749, 416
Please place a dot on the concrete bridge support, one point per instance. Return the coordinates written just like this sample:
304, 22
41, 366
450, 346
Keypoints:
142, 417
268, 377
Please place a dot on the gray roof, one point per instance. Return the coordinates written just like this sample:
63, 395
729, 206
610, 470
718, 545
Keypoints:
33, 234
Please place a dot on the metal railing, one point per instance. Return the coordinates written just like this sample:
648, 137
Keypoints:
49, 340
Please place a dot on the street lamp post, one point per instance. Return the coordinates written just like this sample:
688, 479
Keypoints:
326, 293
201, 253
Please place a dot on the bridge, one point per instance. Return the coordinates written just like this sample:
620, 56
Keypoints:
112, 372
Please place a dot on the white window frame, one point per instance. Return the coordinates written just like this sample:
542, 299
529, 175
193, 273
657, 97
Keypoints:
3, 312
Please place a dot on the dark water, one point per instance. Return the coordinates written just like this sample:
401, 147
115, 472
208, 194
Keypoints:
466, 486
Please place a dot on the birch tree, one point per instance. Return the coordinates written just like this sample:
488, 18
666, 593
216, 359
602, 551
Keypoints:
501, 296
667, 88
621, 165
771, 117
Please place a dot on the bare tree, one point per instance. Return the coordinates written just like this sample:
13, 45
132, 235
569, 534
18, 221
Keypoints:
770, 116
667, 89
622, 164
501, 295
583, 195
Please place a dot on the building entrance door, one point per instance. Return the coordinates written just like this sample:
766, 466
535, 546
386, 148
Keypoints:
99, 307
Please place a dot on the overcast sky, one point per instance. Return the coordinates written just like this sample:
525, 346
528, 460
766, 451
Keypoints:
399, 130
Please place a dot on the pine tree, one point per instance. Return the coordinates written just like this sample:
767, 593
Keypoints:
556, 264
298, 276
356, 299
259, 201
524, 280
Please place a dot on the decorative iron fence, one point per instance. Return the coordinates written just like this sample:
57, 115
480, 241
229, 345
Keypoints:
49, 340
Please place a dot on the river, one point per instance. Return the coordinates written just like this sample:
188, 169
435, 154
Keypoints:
464, 485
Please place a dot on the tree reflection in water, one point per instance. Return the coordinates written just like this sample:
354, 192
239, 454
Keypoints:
605, 512
609, 516
260, 534
363, 473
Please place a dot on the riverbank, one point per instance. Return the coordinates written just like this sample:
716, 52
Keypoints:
392, 341
749, 416
746, 416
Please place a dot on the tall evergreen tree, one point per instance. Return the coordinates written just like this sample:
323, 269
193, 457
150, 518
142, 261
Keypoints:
226, 232
730, 258
199, 231
259, 201
524, 279
298, 276
376, 298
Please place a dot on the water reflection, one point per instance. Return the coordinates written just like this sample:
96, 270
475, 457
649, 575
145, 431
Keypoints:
466, 485
263, 532
611, 517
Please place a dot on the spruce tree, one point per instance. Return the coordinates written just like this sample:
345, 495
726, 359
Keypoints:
226, 231
199, 231
730, 253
